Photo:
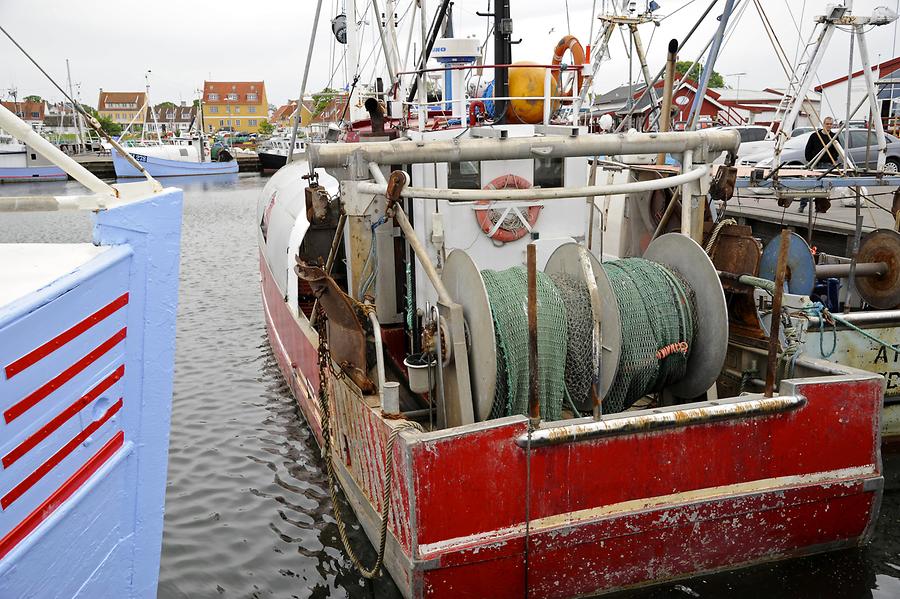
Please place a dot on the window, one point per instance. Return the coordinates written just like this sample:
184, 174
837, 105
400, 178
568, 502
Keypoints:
183, 151
221, 123
251, 109
210, 128
464, 175
548, 172
752, 134
237, 122
237, 108
252, 97
35, 115
232, 97
214, 109
228, 109
213, 97
252, 123
857, 138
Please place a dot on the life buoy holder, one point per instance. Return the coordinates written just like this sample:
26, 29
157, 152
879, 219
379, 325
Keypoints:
570, 43
494, 228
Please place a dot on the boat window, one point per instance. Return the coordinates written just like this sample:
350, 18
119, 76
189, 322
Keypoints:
183, 151
548, 172
752, 134
464, 175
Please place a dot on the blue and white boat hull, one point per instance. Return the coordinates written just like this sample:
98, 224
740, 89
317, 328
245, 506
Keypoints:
87, 339
162, 167
17, 174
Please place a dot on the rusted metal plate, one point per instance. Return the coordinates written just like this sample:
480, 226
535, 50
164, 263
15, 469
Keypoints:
735, 251
881, 245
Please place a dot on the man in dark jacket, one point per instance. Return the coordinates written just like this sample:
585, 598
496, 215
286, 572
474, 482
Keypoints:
814, 145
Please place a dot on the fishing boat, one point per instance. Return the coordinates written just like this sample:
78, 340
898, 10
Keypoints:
511, 409
273, 153
87, 338
19, 163
182, 157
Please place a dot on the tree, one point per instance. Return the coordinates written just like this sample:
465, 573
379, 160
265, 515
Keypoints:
110, 126
163, 105
322, 99
33, 98
266, 128
682, 66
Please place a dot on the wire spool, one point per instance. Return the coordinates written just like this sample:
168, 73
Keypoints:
801, 273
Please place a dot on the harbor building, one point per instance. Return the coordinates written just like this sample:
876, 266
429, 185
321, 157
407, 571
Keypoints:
234, 105
123, 107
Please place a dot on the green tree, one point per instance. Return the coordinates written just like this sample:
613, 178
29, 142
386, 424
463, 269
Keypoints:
266, 128
682, 66
32, 98
163, 105
322, 99
110, 126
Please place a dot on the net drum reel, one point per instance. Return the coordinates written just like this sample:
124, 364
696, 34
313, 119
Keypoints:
877, 270
590, 331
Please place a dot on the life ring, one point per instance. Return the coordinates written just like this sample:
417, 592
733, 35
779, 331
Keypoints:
494, 227
570, 43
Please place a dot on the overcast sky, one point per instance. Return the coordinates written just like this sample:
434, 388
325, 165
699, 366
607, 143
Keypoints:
112, 44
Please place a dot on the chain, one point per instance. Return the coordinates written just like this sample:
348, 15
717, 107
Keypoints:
396, 427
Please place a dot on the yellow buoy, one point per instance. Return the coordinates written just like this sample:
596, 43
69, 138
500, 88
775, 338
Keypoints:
528, 82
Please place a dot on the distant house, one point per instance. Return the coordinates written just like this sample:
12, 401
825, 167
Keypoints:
760, 107
834, 92
32, 113
236, 105
331, 111
172, 119
281, 118
123, 107
624, 99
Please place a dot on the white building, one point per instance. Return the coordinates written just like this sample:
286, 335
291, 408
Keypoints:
834, 93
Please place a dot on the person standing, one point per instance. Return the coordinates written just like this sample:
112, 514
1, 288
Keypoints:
820, 139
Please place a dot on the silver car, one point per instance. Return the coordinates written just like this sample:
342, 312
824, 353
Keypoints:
862, 143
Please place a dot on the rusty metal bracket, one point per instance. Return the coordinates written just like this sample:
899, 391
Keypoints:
396, 182
722, 187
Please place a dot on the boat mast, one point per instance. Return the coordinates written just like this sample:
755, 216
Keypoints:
298, 112
76, 122
503, 27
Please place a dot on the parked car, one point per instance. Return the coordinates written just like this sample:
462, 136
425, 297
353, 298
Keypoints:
794, 151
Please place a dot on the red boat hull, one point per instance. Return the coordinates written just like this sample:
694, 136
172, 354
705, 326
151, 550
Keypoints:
606, 513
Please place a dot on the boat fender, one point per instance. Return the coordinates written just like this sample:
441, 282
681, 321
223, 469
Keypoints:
494, 228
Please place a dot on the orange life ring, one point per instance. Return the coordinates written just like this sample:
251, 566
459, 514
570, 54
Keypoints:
570, 43
492, 228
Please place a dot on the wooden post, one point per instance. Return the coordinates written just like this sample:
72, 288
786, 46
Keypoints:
534, 400
775, 327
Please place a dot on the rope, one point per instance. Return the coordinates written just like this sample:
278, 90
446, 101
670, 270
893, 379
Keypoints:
388, 474
819, 310
657, 314
714, 236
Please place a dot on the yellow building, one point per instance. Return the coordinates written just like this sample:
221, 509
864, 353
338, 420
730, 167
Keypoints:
123, 107
234, 105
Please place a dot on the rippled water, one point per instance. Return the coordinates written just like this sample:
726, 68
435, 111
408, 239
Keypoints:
247, 507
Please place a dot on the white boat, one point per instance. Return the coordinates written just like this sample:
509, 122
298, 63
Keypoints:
273, 154
183, 157
19, 163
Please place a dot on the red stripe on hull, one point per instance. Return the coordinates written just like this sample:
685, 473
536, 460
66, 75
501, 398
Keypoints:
61, 418
58, 457
66, 490
66, 375
49, 347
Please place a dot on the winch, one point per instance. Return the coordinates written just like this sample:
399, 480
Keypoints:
611, 332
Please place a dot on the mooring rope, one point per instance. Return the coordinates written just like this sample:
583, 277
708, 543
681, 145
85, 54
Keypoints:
388, 475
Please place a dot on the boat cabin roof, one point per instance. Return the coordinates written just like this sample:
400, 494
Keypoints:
29, 267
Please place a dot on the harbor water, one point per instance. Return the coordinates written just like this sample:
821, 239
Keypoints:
248, 512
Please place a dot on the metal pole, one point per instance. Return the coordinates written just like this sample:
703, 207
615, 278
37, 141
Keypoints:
848, 113
642, 58
710, 65
665, 117
423, 93
388, 55
422, 254
298, 113
78, 137
775, 326
873, 102
534, 399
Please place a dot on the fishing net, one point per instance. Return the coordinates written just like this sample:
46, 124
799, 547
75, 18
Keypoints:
579, 347
656, 309
507, 294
